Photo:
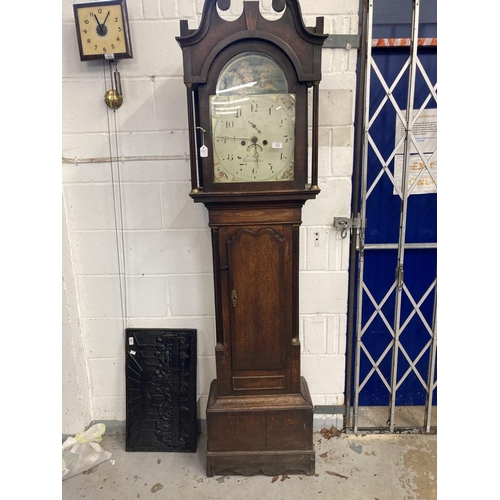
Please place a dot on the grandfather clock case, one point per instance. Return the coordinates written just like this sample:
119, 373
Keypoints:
248, 93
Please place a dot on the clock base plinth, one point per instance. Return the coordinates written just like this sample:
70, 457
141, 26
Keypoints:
268, 435
260, 463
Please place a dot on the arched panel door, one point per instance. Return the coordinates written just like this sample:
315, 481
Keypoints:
256, 279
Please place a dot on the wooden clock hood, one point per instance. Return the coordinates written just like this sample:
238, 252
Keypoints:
301, 44
297, 47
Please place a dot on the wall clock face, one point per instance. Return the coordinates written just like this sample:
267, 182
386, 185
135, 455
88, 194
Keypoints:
102, 30
253, 122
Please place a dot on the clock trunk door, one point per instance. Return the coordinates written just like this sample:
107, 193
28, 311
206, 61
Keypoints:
257, 293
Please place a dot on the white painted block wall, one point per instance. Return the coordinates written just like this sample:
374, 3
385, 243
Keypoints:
166, 240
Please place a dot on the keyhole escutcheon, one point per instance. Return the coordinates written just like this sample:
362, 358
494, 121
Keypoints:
234, 297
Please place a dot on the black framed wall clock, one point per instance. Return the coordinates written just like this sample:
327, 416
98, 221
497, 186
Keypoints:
102, 30
248, 84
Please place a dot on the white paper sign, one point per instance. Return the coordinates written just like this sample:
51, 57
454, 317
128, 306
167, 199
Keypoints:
425, 135
425, 183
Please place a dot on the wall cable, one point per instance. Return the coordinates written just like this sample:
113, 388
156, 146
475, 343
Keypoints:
117, 202
124, 159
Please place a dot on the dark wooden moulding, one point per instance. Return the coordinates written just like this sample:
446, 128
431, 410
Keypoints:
259, 412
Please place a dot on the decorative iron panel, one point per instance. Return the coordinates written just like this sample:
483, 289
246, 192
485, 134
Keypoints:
161, 390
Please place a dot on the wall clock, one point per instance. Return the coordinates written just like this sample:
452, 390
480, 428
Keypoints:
247, 86
102, 30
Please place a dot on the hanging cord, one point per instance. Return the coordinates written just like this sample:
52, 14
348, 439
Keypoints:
118, 213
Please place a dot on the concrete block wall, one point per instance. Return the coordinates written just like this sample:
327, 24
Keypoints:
134, 217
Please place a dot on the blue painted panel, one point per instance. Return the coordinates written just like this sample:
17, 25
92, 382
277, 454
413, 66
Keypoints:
397, 12
392, 19
420, 272
383, 206
383, 216
377, 337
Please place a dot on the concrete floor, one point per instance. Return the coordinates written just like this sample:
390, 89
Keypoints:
352, 467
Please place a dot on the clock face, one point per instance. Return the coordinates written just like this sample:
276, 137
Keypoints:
253, 137
253, 122
102, 31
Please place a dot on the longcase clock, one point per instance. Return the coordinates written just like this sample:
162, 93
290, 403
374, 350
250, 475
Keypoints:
248, 84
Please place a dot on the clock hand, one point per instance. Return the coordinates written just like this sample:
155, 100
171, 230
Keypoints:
101, 28
233, 137
106, 18
254, 126
254, 145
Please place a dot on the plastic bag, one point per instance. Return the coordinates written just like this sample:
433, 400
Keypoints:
80, 453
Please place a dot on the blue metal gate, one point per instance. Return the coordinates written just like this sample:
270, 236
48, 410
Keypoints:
392, 359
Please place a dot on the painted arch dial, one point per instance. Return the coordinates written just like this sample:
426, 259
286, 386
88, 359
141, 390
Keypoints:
253, 137
253, 121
